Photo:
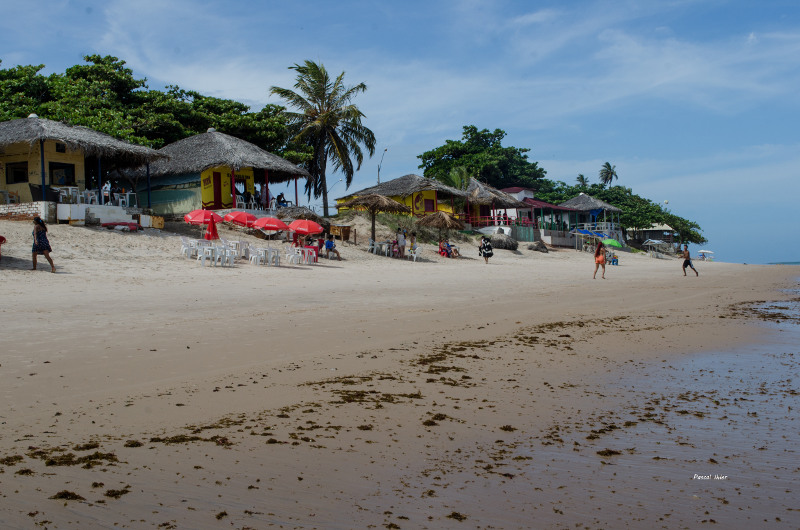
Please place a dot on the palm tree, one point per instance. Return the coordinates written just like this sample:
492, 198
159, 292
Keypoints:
608, 173
457, 178
328, 122
582, 181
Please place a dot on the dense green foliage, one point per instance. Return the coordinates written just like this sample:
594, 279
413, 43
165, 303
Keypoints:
328, 123
104, 95
479, 154
484, 158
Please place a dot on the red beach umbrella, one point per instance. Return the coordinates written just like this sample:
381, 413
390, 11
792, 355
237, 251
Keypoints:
201, 217
270, 223
211, 230
305, 227
241, 218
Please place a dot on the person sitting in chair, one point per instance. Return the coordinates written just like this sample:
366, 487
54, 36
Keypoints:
330, 246
282, 200
452, 252
444, 250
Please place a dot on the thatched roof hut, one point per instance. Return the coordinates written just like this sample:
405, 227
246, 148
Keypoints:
485, 195
33, 129
214, 149
586, 203
407, 185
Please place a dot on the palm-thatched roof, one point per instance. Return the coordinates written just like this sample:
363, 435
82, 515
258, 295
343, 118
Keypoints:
441, 220
585, 203
214, 149
407, 185
483, 194
373, 202
32, 129
292, 213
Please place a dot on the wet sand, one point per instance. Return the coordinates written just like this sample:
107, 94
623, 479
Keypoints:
144, 391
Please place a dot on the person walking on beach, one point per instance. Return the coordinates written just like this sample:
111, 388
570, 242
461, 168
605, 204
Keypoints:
687, 260
41, 245
600, 260
485, 249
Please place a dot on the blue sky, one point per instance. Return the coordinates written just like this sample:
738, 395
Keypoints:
693, 101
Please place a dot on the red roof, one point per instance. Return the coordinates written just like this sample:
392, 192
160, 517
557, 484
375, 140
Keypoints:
536, 203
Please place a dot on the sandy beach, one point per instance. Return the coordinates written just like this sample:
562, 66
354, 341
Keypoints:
143, 390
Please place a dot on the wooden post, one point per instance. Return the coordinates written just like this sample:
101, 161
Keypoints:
233, 187
44, 185
265, 195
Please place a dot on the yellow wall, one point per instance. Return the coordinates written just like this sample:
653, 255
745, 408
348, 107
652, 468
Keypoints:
24, 152
207, 184
416, 202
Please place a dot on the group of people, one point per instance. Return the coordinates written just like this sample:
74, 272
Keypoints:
600, 260
401, 241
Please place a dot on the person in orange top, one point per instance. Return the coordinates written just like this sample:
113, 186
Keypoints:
600, 259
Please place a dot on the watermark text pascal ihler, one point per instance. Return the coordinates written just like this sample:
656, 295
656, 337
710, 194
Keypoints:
709, 477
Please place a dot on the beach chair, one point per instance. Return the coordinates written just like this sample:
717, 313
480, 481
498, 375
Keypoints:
372, 247
188, 247
206, 253
413, 253
293, 255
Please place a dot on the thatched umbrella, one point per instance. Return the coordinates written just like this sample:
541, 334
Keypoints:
442, 221
32, 130
375, 203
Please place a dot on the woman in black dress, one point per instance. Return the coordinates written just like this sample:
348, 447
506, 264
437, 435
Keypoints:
41, 245
485, 249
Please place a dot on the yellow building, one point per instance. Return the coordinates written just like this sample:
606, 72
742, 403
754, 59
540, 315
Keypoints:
423, 195
202, 170
40, 152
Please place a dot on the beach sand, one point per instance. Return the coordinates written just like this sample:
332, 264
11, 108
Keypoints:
143, 390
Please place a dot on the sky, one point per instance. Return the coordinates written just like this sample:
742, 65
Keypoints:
694, 101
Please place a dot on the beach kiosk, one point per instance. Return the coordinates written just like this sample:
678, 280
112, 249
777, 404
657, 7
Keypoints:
203, 171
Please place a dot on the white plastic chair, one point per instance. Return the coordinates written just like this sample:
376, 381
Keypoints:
206, 253
293, 255
413, 253
240, 202
188, 247
372, 247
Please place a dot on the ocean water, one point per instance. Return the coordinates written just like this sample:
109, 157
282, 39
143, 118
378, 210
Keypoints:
710, 438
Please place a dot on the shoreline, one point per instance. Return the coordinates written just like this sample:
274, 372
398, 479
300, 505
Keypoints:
358, 355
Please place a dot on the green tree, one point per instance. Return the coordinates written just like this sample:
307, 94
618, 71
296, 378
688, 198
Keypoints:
484, 157
608, 173
328, 122
22, 91
582, 181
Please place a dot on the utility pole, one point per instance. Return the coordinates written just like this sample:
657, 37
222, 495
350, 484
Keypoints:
380, 164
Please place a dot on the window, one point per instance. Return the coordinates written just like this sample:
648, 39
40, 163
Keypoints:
429, 205
16, 172
61, 148
62, 174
